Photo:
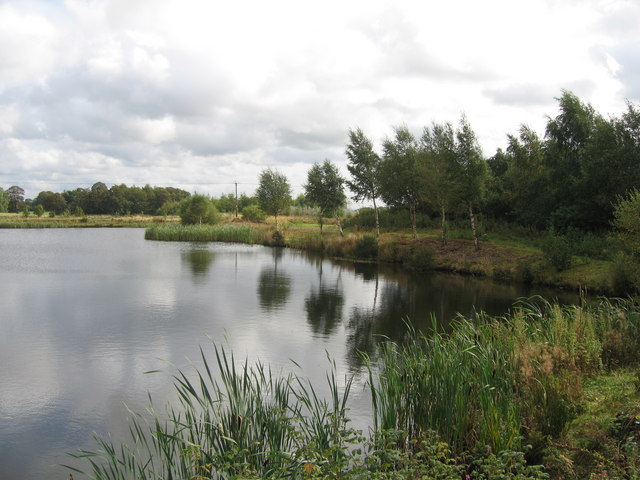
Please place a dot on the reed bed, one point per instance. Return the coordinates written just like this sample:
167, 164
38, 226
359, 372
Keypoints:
444, 405
205, 233
233, 420
458, 385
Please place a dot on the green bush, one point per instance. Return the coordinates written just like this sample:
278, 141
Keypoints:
558, 250
366, 248
38, 210
624, 275
627, 223
253, 213
199, 210
392, 219
420, 258
587, 244
278, 239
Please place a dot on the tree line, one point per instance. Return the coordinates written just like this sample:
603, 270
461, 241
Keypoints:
98, 200
572, 177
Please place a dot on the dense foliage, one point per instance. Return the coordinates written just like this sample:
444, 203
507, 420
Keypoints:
273, 193
325, 190
570, 178
198, 210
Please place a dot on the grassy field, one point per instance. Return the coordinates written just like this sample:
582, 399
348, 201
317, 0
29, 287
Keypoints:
17, 220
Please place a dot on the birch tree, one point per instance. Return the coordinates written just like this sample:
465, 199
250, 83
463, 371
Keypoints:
363, 166
273, 193
398, 174
438, 152
471, 173
325, 190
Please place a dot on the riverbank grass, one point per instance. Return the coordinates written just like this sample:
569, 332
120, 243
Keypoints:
17, 220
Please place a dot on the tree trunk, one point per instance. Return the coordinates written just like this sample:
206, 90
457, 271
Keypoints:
473, 227
339, 225
443, 217
277, 223
375, 211
412, 214
321, 224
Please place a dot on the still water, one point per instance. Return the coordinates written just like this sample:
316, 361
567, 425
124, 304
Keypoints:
84, 313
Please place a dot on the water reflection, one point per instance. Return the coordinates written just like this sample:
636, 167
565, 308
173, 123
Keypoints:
110, 304
199, 260
274, 284
324, 305
421, 298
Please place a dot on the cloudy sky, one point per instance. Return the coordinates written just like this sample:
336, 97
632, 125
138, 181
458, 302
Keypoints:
199, 94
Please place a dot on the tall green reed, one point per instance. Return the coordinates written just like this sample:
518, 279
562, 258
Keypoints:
458, 385
204, 233
232, 420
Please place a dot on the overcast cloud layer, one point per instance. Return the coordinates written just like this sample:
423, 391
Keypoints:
201, 94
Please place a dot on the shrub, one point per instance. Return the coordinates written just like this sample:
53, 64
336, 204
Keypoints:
198, 210
38, 210
253, 213
366, 248
419, 258
278, 238
524, 273
627, 223
393, 219
558, 250
624, 275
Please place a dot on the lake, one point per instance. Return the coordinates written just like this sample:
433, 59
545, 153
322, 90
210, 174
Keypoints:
84, 313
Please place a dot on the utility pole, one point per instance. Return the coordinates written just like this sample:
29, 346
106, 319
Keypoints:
236, 184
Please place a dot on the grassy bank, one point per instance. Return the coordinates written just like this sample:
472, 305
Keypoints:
504, 258
545, 392
16, 220
505, 255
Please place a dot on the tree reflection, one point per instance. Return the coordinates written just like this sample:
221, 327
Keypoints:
274, 287
199, 262
324, 308
324, 303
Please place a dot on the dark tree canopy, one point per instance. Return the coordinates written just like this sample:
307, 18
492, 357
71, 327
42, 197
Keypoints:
16, 199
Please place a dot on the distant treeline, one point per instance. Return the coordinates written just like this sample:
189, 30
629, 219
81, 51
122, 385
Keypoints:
99, 199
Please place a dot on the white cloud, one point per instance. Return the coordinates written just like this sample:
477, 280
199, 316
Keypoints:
29, 46
157, 92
